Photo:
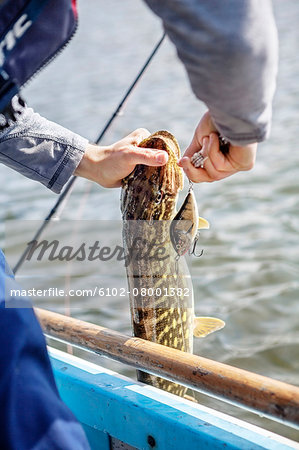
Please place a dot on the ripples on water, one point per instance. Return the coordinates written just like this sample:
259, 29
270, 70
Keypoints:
249, 272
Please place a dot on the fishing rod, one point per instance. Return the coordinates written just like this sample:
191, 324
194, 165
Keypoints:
59, 205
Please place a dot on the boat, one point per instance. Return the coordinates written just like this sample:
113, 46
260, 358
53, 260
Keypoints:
117, 412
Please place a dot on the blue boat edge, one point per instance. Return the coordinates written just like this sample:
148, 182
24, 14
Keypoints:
118, 412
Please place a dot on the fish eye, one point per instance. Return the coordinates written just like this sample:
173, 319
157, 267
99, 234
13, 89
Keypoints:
159, 198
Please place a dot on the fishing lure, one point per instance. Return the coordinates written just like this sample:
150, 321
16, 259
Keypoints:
185, 225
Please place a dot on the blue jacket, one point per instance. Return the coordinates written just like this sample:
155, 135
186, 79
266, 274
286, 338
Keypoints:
32, 415
31, 33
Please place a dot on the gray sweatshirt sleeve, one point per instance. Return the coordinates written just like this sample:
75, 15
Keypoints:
41, 150
230, 51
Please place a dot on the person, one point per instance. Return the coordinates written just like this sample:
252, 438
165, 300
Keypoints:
229, 50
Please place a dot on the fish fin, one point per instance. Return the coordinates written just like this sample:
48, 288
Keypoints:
206, 325
190, 398
203, 224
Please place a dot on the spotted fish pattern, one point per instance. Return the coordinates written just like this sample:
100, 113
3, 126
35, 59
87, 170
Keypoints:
161, 294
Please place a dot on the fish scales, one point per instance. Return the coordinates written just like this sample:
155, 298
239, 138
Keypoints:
155, 239
148, 203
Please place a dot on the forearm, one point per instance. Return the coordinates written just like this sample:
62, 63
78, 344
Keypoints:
48, 153
230, 52
41, 150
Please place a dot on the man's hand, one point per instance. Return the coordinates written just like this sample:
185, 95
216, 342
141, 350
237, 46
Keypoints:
109, 165
216, 166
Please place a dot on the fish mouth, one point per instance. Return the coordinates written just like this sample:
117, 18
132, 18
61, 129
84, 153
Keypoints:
151, 192
162, 140
170, 178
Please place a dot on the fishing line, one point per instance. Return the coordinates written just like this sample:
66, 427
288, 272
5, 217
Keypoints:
60, 204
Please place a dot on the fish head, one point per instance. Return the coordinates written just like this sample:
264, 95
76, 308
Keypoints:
150, 193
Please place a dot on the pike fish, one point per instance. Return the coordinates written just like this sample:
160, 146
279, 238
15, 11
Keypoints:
156, 237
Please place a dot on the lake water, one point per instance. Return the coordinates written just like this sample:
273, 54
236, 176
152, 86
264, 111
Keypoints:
248, 275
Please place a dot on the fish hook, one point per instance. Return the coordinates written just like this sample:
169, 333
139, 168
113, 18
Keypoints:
190, 188
192, 252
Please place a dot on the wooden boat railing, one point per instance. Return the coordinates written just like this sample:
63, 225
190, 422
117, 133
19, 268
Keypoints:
271, 398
